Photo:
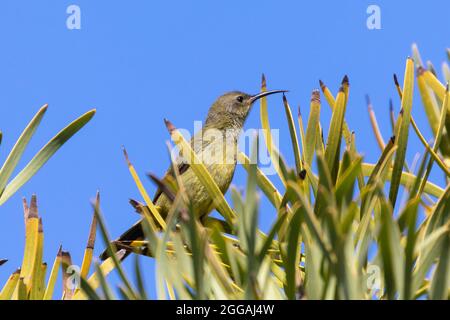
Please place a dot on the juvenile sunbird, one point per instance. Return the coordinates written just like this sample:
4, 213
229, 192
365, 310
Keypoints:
216, 145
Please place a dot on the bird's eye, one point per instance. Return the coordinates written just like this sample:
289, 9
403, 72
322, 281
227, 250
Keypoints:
240, 98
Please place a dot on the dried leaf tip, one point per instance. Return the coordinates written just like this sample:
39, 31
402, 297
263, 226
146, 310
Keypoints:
169, 125
302, 174
25, 208
92, 233
341, 89
392, 139
391, 105
65, 255
345, 81
40, 226
59, 254
352, 138
315, 96
136, 205
263, 81
3, 261
396, 80
322, 85
299, 112
162, 186
33, 211
420, 71
368, 102
125, 154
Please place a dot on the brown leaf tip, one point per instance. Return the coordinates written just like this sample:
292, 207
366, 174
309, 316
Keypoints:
341, 89
136, 205
345, 81
59, 254
162, 186
25, 208
396, 80
302, 174
392, 139
40, 227
125, 154
315, 96
33, 211
3, 261
322, 85
263, 81
420, 71
92, 233
66, 256
169, 125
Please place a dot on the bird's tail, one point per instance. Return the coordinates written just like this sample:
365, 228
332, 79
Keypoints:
125, 241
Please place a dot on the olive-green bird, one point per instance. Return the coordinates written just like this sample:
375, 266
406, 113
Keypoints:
216, 145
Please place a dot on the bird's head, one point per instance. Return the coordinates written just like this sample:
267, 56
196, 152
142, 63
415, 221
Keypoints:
232, 108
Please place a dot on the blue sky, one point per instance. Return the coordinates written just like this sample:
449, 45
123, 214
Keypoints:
140, 61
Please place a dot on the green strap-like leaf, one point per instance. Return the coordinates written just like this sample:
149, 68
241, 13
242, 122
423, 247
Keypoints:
402, 138
53, 276
18, 149
391, 252
265, 125
293, 133
44, 154
406, 179
312, 128
335, 133
441, 278
8, 290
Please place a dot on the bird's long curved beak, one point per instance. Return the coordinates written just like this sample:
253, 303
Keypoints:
263, 94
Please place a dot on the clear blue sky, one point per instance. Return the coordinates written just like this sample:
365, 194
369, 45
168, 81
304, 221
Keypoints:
140, 61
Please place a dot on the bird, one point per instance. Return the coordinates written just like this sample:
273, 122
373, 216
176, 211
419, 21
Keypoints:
216, 145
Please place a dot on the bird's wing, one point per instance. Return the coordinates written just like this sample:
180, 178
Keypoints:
183, 166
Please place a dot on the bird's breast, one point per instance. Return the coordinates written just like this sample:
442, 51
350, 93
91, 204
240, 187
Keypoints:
219, 157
